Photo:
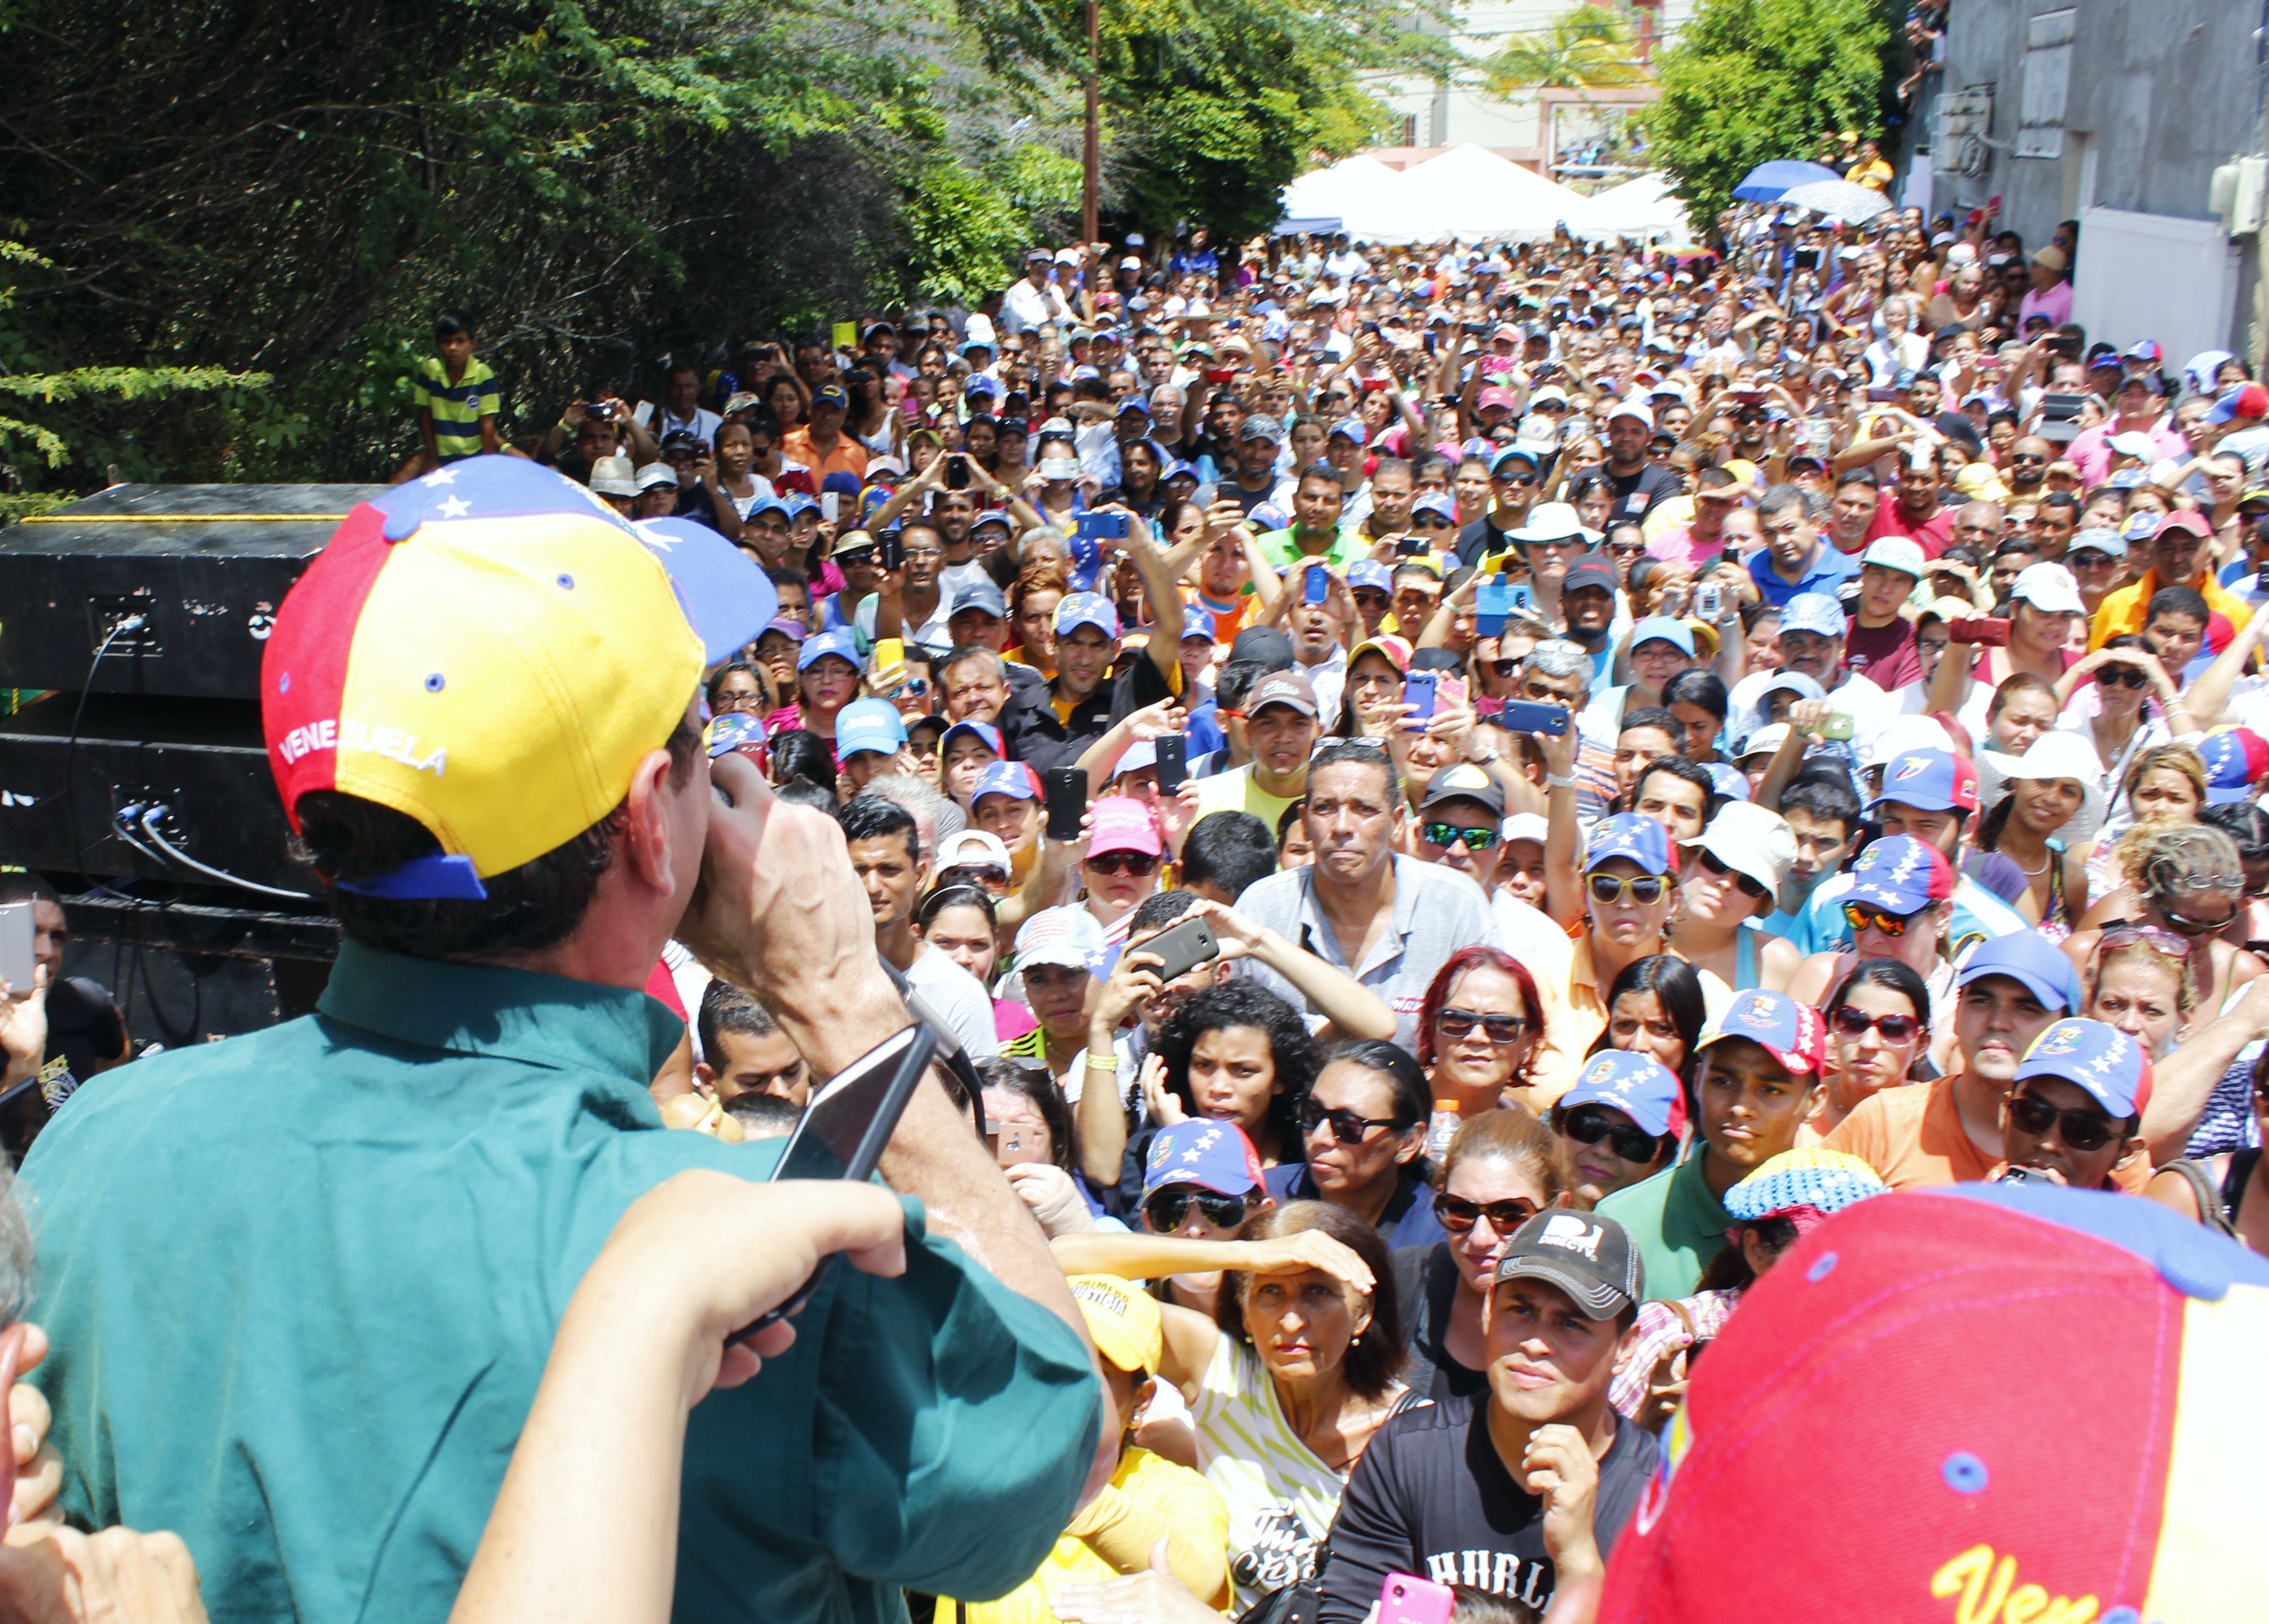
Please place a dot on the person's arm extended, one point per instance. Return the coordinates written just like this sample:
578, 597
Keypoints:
1131, 1255
1949, 685
1806, 717
2182, 1082
1101, 758
1158, 575
1860, 453
1564, 896
920, 485
586, 1524
1353, 1009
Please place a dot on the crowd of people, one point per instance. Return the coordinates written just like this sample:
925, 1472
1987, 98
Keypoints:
1463, 801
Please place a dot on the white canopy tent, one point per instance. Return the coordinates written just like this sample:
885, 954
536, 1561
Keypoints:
1468, 193
1642, 208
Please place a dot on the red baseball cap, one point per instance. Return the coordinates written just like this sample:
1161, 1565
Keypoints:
1977, 1402
2195, 523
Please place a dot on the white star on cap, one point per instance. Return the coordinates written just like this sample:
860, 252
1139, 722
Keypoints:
456, 507
440, 476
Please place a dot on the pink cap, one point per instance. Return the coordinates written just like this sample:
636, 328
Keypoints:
1123, 823
1497, 395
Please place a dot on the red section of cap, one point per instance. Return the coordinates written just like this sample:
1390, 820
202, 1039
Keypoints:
303, 671
1884, 1404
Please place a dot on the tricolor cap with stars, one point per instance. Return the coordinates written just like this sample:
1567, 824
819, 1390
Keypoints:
1929, 781
1212, 1155
1638, 1085
1901, 875
2095, 1057
1850, 1384
492, 651
1636, 839
1789, 1032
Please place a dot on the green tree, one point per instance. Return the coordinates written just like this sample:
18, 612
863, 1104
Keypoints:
1586, 48
1754, 80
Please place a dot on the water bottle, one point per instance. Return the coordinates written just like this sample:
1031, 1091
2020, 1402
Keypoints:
1441, 1128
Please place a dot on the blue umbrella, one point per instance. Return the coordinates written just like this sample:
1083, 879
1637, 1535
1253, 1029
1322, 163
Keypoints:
1767, 181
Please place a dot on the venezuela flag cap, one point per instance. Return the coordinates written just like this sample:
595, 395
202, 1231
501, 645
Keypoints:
492, 650
1980, 1404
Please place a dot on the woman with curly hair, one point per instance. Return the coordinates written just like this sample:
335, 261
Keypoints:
1235, 1052
1478, 1030
2189, 883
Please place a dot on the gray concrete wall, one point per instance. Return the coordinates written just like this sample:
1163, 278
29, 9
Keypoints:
2162, 92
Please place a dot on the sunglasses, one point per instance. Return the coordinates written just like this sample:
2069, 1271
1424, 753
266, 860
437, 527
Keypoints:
1142, 865
1860, 916
1711, 863
1501, 1028
1346, 1128
1644, 889
2150, 936
1588, 1125
2081, 1130
2034, 462
1516, 479
1896, 1029
1450, 834
1459, 1216
1166, 1208
2122, 676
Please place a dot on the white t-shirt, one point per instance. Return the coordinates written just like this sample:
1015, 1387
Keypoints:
1281, 1498
960, 997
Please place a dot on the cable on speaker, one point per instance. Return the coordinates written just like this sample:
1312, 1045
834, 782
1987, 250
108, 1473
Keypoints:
150, 827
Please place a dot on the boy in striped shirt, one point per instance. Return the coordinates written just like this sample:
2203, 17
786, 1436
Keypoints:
456, 395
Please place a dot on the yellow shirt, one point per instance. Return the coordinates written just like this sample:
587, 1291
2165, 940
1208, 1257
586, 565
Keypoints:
1154, 1496
1237, 791
1877, 174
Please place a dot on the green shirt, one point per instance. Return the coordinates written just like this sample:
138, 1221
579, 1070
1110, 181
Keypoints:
457, 407
1676, 1222
1281, 549
301, 1285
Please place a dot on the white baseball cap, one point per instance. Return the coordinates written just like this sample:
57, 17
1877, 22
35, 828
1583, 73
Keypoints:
1631, 409
973, 848
2049, 588
1896, 552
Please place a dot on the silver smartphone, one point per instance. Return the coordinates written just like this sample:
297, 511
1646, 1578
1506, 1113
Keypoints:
18, 961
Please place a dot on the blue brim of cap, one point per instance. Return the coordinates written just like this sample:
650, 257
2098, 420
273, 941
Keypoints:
726, 598
2225, 797
2056, 999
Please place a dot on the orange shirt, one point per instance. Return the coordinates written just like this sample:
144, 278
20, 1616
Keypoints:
1912, 1136
848, 457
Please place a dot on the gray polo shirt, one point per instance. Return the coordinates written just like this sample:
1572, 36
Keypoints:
1436, 912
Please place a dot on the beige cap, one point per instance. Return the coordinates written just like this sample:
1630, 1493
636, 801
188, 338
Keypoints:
2053, 258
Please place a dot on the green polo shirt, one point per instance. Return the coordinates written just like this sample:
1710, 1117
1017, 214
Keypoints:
1678, 1225
301, 1285
1282, 549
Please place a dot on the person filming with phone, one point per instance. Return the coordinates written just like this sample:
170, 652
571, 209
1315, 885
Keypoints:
384, 1228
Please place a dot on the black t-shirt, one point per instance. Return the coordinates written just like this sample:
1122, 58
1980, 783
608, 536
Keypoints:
1636, 494
83, 1032
1425, 1285
1481, 539
1036, 735
1431, 1496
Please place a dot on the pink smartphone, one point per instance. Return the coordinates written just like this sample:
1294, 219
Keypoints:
1451, 691
1406, 1598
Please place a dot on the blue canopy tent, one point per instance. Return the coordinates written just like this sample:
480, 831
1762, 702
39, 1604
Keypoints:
1767, 181
1312, 226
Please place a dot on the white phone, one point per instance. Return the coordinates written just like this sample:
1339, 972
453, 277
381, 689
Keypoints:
18, 965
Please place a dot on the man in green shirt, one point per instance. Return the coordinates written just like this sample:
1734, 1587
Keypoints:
1316, 531
1761, 1071
301, 1285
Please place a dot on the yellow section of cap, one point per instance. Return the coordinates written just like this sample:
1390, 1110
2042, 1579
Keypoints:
1125, 1322
2206, 1570
508, 675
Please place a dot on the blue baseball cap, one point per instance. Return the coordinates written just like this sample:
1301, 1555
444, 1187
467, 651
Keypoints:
1433, 502
721, 589
2038, 964
736, 730
838, 643
1731, 781
1638, 1085
1901, 875
2097, 1058
1086, 609
1371, 573
984, 732
1929, 781
1628, 835
1212, 1155
868, 725
2235, 760
1012, 778
1814, 612
1664, 629
1791, 682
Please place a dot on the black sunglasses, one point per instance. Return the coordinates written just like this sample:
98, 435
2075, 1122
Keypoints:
2122, 676
1501, 1028
2082, 1130
1588, 1125
1166, 1208
1712, 863
2027, 457
1142, 865
1896, 1029
1346, 1128
1459, 1216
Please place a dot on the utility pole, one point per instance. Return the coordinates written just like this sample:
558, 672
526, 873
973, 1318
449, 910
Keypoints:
1089, 190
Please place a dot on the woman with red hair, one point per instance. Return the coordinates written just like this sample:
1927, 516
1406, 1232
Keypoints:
1478, 1030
